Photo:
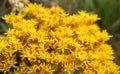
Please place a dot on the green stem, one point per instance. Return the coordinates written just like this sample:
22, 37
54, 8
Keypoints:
3, 5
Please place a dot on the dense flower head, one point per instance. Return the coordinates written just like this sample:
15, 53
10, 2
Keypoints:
50, 41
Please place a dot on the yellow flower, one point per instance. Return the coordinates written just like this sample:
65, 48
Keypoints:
48, 40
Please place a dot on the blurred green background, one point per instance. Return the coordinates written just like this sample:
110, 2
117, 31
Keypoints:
107, 10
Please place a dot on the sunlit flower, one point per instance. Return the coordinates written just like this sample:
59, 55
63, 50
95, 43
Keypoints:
50, 41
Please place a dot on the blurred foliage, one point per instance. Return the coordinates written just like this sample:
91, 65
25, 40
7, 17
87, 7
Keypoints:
4, 9
108, 10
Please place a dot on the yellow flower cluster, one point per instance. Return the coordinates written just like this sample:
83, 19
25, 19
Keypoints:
50, 41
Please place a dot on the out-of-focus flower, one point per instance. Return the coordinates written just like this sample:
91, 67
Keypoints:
18, 5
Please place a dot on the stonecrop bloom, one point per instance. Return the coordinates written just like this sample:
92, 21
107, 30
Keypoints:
50, 41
